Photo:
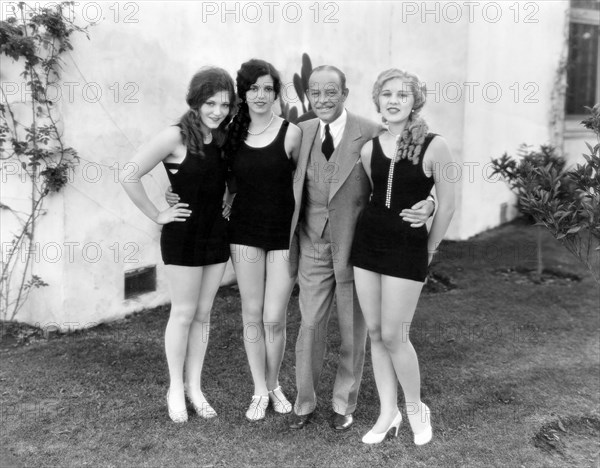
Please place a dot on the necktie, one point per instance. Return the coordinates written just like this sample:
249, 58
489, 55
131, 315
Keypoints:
327, 146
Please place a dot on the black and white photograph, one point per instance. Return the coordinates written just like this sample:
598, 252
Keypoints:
300, 233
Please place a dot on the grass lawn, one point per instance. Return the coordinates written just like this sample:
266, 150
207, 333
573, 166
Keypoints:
510, 370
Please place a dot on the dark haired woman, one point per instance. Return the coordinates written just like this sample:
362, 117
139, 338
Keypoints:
262, 148
390, 258
193, 240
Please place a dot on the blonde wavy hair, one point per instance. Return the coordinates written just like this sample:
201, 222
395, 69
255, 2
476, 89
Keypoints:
413, 135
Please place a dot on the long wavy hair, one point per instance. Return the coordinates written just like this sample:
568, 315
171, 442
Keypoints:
205, 83
413, 135
247, 75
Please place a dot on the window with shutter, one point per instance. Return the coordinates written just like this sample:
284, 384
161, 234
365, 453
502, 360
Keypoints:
583, 66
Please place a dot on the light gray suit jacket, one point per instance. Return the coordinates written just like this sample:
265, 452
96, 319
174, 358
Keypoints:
349, 191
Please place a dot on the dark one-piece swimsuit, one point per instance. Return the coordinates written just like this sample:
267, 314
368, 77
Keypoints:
383, 242
202, 238
261, 215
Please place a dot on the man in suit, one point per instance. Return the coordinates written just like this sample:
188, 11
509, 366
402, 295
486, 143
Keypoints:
331, 188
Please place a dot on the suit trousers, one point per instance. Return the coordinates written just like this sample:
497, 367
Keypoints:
318, 289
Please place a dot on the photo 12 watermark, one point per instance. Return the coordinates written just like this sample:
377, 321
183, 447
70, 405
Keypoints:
454, 12
87, 171
72, 252
271, 12
89, 12
459, 332
490, 92
71, 92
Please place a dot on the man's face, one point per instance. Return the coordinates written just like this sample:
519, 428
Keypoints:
326, 95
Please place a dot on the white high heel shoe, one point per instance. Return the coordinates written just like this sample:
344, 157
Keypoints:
426, 435
376, 438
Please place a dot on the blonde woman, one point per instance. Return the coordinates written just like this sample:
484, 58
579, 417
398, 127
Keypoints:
390, 258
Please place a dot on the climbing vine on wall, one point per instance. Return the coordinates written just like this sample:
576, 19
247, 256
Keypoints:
32, 147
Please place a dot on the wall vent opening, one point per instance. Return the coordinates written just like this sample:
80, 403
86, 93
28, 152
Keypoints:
140, 281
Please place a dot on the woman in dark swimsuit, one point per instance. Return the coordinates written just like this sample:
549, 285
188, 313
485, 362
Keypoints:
390, 258
261, 149
193, 240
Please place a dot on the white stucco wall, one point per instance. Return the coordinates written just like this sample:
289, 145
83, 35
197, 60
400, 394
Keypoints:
575, 138
142, 70
520, 59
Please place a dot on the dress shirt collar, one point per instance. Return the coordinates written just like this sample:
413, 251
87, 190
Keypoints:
336, 128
